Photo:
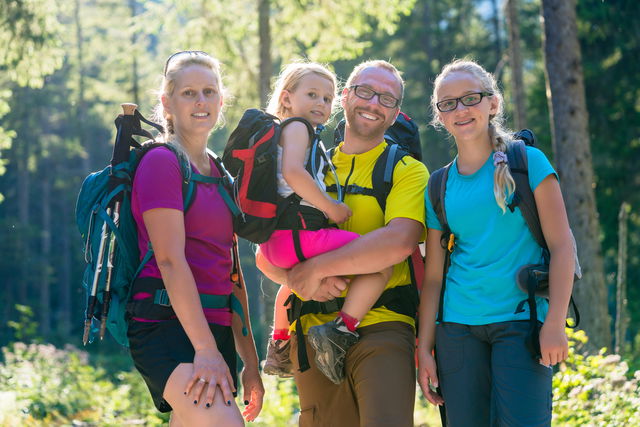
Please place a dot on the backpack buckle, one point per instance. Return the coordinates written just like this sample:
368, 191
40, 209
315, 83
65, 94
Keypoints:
451, 243
161, 297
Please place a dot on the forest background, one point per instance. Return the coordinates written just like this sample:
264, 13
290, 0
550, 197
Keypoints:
569, 72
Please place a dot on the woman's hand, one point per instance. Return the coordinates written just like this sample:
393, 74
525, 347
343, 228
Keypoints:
253, 393
428, 377
210, 371
554, 346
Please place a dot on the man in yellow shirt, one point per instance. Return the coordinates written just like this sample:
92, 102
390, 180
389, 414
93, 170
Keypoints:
379, 385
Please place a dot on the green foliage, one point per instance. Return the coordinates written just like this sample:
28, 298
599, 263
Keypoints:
25, 328
30, 31
41, 385
280, 404
595, 390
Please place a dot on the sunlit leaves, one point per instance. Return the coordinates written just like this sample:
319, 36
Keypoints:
30, 36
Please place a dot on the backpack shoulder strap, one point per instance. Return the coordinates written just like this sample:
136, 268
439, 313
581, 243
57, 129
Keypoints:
523, 197
188, 183
310, 128
436, 189
224, 183
382, 175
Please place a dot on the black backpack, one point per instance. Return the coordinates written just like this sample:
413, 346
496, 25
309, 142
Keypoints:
251, 157
533, 279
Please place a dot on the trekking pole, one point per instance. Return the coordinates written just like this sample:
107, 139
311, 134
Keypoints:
91, 302
122, 146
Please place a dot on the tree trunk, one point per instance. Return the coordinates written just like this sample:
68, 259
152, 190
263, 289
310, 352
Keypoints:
570, 141
66, 282
45, 248
621, 282
23, 244
265, 51
135, 88
496, 31
427, 35
81, 107
515, 60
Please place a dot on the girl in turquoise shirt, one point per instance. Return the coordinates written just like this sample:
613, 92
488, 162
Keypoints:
485, 372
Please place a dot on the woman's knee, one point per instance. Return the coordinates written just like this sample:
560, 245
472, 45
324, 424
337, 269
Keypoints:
191, 410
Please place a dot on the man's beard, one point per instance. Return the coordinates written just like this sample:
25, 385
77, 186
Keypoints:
365, 132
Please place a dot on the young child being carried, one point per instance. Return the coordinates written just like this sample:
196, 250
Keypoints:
307, 90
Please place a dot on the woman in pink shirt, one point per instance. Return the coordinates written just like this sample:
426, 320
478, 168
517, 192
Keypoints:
186, 352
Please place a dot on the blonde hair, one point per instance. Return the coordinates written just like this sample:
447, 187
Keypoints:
289, 79
503, 183
174, 66
377, 63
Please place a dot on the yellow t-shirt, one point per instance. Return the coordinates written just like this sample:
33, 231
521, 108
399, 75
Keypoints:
406, 200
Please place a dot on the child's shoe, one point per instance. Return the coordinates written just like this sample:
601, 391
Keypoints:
278, 361
331, 341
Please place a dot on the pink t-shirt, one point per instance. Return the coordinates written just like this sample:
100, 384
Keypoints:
208, 224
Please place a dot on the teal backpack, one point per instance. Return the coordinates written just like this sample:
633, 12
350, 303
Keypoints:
109, 232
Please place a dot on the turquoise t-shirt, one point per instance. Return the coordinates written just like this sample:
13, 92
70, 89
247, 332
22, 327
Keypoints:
490, 246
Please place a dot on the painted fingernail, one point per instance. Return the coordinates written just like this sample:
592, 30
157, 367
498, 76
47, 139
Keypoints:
228, 403
246, 402
195, 402
185, 393
208, 405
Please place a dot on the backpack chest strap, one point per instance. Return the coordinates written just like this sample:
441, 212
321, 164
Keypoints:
352, 189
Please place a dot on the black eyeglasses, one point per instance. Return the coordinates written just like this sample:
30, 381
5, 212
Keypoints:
182, 52
367, 93
468, 100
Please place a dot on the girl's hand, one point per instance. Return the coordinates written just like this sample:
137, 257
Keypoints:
210, 371
253, 393
339, 212
554, 345
428, 376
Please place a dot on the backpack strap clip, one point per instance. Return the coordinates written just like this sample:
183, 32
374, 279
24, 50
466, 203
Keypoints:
161, 298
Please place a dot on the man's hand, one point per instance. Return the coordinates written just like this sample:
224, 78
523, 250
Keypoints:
304, 279
330, 288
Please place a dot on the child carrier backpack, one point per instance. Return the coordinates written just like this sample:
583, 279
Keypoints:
400, 299
251, 156
105, 222
532, 279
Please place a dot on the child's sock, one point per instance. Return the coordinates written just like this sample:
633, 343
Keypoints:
350, 322
281, 334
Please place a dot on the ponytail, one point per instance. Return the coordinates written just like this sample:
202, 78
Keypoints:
503, 183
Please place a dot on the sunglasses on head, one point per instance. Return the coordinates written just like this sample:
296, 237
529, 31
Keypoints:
181, 53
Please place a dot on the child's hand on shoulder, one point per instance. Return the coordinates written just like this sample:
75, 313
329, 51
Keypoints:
339, 212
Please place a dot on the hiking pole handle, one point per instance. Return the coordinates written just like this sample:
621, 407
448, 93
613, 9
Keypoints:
128, 108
